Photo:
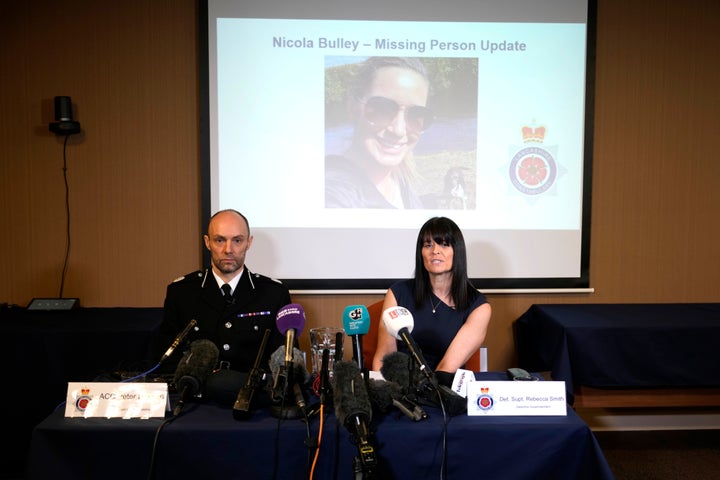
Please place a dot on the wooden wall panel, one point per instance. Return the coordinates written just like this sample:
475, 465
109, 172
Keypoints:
131, 68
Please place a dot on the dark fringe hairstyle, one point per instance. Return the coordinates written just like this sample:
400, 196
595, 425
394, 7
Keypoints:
443, 230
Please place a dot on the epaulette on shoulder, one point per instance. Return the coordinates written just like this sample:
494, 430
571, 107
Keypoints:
263, 277
190, 276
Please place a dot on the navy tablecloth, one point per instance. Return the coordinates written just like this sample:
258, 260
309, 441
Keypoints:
207, 442
622, 345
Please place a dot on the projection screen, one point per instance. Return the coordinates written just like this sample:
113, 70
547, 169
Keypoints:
497, 138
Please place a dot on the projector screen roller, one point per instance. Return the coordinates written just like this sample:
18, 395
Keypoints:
339, 128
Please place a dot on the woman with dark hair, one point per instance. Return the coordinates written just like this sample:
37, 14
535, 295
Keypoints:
450, 315
387, 105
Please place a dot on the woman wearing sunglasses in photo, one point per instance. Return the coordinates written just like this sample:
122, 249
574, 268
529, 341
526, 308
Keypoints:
388, 108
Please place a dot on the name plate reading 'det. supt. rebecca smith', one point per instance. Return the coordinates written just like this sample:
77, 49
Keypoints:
117, 400
516, 398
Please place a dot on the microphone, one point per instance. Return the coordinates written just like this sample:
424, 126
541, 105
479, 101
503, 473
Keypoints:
241, 408
382, 392
282, 377
194, 368
353, 410
324, 389
384, 395
399, 323
397, 367
338, 347
177, 340
290, 321
356, 322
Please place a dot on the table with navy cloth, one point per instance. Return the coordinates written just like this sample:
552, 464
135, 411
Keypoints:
671, 345
44, 350
205, 441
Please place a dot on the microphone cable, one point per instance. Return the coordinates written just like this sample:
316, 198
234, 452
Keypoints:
320, 387
306, 419
142, 374
319, 441
277, 431
425, 383
443, 462
197, 364
153, 457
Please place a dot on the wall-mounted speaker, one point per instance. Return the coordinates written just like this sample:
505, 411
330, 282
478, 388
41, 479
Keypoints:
64, 123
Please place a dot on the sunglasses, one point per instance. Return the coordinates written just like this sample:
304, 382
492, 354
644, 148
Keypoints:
381, 111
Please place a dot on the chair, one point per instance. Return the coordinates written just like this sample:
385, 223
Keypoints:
370, 340
474, 363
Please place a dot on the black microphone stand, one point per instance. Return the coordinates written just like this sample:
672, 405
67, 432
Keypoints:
288, 397
325, 390
243, 404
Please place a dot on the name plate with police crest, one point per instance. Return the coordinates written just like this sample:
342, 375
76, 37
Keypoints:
117, 400
516, 398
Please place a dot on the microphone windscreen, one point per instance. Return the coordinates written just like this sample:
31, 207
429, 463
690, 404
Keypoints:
300, 372
349, 393
196, 364
290, 316
356, 320
382, 393
396, 318
396, 368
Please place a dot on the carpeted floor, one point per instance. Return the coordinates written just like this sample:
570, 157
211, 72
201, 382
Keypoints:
662, 454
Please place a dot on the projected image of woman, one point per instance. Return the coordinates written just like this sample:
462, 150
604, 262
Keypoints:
388, 107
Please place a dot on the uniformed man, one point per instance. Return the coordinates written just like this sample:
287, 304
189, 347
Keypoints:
235, 321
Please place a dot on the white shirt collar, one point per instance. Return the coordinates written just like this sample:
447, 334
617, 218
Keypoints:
233, 283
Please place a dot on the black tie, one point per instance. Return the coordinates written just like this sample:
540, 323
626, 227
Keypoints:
227, 293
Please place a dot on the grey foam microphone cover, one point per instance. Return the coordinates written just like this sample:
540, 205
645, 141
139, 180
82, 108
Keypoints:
300, 371
396, 368
382, 393
196, 365
349, 393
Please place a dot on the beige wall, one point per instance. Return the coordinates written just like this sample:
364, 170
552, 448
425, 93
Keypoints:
131, 68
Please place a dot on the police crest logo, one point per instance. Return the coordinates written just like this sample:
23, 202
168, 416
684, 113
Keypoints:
485, 400
533, 169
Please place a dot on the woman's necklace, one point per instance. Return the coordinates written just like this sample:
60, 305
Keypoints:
436, 305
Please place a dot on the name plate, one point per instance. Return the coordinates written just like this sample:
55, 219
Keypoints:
117, 400
516, 398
